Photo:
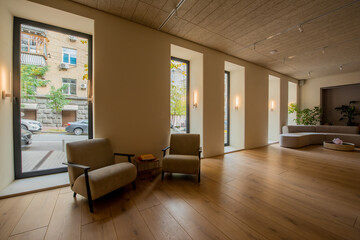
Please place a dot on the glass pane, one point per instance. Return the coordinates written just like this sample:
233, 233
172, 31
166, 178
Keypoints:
73, 60
178, 96
65, 57
226, 108
50, 118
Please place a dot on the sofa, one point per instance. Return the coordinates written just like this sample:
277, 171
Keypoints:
298, 136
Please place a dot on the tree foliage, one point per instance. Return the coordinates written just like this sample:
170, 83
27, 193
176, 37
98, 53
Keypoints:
177, 93
57, 99
306, 116
31, 78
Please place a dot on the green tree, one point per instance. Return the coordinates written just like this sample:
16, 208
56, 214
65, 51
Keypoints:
57, 99
31, 78
177, 94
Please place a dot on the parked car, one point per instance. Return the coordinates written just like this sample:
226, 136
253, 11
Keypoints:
31, 125
78, 127
26, 137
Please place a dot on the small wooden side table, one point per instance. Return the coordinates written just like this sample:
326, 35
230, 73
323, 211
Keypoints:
151, 167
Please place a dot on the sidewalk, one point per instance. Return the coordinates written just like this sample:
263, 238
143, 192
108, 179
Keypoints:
53, 130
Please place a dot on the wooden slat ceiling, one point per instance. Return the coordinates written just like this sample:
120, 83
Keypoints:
251, 29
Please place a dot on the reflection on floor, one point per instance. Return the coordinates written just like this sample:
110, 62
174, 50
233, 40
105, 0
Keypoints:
34, 184
229, 149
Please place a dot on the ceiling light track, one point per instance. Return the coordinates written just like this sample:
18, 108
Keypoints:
300, 26
174, 11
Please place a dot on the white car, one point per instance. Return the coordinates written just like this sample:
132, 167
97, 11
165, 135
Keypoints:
31, 125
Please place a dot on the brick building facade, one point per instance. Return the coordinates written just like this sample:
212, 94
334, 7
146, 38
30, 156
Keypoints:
65, 57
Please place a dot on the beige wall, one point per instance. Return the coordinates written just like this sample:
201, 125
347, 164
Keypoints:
132, 87
6, 137
310, 91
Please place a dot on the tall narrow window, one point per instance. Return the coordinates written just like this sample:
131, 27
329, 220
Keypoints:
227, 109
49, 110
179, 95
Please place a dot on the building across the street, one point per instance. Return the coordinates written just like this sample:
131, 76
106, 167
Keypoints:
66, 57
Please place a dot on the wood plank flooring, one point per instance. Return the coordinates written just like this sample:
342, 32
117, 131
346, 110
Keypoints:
265, 193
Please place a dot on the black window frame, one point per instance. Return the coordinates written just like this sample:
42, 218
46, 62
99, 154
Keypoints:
187, 62
227, 73
17, 95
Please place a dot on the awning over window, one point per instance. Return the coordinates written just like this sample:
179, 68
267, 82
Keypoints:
32, 59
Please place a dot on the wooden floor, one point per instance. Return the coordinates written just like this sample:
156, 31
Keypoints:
266, 193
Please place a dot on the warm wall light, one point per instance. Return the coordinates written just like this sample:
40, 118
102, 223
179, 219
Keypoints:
236, 103
195, 104
4, 94
272, 105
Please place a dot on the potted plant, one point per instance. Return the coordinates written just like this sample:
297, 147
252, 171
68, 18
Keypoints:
306, 116
348, 112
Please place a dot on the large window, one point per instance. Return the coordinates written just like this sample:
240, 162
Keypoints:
69, 56
70, 86
46, 117
179, 96
227, 109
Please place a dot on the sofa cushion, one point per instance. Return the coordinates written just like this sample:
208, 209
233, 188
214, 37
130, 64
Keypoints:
337, 129
297, 140
106, 179
298, 128
181, 164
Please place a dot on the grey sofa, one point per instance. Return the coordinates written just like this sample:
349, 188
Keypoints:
300, 136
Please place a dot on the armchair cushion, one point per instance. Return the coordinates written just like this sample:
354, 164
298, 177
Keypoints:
95, 153
185, 144
106, 179
181, 163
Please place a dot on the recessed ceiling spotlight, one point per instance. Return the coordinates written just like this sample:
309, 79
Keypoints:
273, 51
309, 74
341, 67
291, 57
323, 50
300, 29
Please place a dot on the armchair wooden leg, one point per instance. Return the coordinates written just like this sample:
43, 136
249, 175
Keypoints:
162, 175
74, 194
198, 177
133, 184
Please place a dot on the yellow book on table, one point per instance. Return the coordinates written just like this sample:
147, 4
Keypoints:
147, 157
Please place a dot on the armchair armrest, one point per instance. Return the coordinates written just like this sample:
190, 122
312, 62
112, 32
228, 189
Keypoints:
85, 168
164, 150
126, 155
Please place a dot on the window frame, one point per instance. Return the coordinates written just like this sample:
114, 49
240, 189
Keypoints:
227, 73
17, 96
69, 86
187, 62
62, 56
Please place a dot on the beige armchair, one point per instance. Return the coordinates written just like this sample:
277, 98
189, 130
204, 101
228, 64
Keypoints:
93, 171
184, 155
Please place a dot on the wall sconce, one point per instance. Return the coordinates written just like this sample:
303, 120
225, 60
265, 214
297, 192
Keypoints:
5, 94
272, 105
195, 104
236, 103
